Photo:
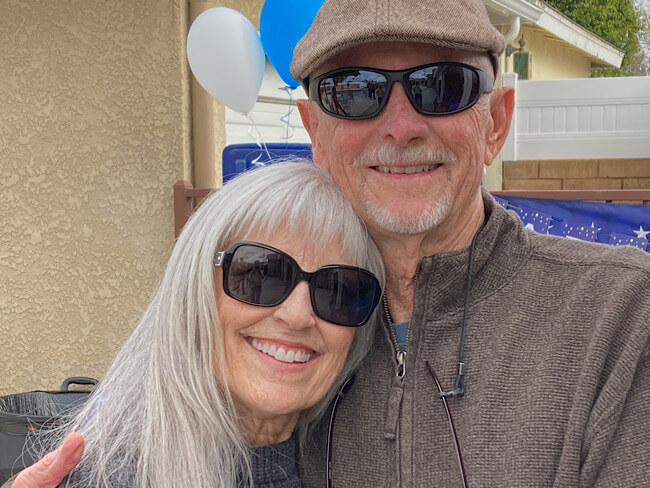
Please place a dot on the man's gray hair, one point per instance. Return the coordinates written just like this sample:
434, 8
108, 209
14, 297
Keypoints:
161, 417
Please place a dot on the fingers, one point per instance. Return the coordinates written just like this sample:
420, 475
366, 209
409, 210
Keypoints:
50, 471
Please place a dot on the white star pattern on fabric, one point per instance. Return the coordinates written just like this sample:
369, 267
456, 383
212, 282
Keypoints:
532, 219
594, 226
642, 234
582, 232
625, 240
607, 223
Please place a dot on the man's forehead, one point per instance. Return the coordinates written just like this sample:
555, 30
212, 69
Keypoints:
401, 55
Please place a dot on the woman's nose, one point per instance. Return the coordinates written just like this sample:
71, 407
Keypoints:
296, 312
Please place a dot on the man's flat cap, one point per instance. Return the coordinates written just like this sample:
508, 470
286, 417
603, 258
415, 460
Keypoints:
341, 24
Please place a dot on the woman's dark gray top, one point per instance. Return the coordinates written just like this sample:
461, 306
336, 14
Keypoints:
276, 466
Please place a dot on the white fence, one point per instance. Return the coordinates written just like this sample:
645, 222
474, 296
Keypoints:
592, 118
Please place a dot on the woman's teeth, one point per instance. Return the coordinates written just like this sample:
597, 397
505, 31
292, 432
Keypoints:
407, 169
280, 353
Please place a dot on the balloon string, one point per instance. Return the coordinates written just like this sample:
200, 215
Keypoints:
289, 129
254, 133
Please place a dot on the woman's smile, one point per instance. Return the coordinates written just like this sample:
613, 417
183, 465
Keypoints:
281, 351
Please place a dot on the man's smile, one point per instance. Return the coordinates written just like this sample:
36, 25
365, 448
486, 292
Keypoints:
425, 168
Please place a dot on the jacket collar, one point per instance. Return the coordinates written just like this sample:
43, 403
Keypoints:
501, 250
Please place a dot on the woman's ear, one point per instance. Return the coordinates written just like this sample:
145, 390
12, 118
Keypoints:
502, 105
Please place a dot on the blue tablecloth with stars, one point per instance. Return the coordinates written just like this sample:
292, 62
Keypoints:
618, 224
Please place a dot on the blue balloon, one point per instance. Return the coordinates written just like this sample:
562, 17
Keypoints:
282, 24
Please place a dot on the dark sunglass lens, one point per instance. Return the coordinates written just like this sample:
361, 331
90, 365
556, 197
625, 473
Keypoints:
259, 276
444, 89
356, 93
344, 296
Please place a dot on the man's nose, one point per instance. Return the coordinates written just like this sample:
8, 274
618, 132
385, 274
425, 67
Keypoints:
296, 311
400, 121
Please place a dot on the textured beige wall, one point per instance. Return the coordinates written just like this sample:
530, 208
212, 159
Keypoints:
93, 134
552, 58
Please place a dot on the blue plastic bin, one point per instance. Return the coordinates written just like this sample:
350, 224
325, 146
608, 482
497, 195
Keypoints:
239, 157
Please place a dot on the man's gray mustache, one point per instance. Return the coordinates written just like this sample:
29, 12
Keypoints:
389, 155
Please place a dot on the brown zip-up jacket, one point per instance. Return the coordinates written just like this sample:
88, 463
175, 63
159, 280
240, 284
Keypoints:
557, 373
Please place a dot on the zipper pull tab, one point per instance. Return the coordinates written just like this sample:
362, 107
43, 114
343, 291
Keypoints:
400, 368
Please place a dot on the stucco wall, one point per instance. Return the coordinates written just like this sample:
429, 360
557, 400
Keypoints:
552, 58
93, 134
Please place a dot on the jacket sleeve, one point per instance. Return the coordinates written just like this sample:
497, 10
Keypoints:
619, 449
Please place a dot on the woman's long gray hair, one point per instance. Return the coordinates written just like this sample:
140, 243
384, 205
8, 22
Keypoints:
161, 417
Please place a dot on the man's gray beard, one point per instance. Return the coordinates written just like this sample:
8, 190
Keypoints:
389, 154
408, 224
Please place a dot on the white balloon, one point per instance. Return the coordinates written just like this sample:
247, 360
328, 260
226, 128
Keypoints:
226, 56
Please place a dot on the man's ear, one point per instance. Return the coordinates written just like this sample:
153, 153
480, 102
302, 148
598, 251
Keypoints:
502, 105
309, 115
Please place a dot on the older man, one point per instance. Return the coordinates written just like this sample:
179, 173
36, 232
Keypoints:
538, 346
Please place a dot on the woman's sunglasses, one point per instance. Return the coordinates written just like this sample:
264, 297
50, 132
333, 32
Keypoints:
261, 275
433, 89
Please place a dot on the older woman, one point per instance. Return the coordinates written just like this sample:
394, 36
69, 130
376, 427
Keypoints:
249, 336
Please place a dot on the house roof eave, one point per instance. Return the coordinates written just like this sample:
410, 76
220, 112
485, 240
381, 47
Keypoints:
544, 16
566, 29
525, 10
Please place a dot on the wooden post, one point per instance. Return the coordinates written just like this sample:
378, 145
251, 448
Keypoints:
204, 154
183, 205
510, 147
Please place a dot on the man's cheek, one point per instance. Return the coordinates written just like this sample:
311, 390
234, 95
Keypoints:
331, 148
322, 150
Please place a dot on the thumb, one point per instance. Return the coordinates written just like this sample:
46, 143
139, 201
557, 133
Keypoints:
54, 466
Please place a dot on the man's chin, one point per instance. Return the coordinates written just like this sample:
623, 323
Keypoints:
408, 224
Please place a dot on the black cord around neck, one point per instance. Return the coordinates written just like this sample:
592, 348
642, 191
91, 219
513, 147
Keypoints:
459, 382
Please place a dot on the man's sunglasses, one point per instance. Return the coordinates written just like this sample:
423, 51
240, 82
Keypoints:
433, 89
261, 275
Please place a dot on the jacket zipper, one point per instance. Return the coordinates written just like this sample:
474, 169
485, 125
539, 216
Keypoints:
393, 414
400, 371
400, 356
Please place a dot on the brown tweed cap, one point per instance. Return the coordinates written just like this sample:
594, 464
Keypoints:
341, 24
